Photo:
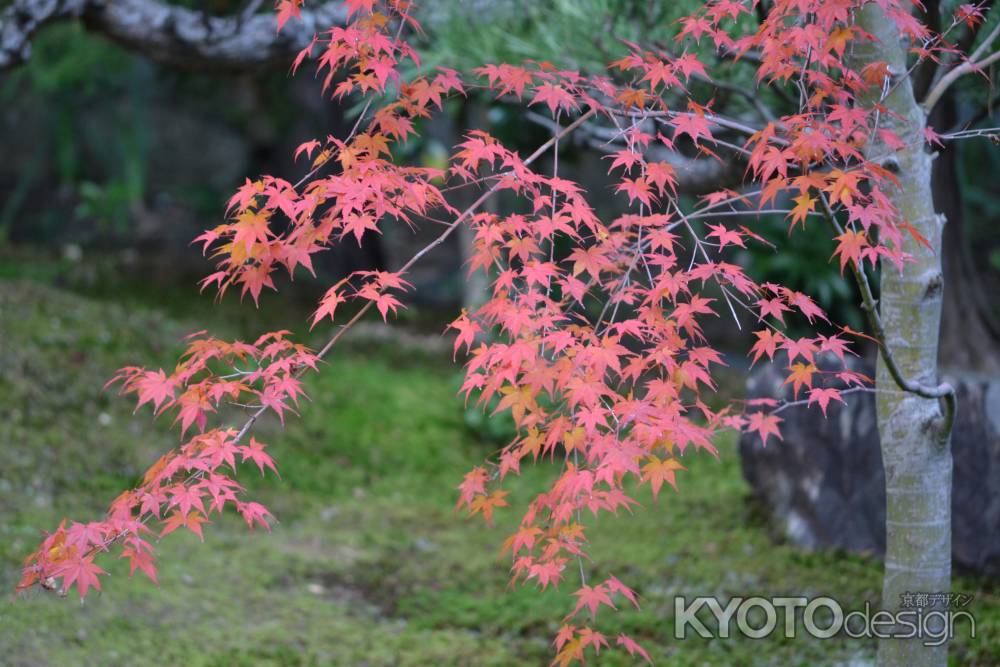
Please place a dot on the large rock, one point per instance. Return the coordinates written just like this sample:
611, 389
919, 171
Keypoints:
824, 486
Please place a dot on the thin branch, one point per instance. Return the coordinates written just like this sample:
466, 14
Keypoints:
973, 64
694, 175
969, 134
805, 401
713, 118
984, 112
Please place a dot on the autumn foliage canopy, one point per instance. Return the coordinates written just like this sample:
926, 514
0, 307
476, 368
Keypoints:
593, 336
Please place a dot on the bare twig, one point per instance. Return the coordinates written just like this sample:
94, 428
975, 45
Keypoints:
975, 62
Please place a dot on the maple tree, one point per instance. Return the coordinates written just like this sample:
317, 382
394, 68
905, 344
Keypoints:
592, 337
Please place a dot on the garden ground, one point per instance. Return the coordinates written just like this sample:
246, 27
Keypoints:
370, 564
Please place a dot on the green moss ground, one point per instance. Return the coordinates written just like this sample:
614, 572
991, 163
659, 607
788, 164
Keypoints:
369, 565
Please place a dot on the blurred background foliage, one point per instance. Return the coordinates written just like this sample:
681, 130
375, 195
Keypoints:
108, 151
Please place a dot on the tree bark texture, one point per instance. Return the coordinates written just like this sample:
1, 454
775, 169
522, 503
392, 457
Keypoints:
915, 452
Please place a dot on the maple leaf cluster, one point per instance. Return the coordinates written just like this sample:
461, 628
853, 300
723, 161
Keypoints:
593, 335
599, 352
265, 371
181, 490
276, 224
185, 486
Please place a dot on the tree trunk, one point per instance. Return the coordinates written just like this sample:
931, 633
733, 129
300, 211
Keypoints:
916, 455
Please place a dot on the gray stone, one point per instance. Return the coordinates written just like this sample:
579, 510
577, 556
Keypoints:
824, 487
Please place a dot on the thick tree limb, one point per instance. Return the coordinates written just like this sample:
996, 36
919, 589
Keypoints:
168, 33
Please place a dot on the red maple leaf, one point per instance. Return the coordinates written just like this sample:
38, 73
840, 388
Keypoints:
82, 572
632, 647
191, 520
592, 597
467, 330
726, 236
765, 425
254, 513
823, 396
806, 306
287, 10
801, 374
692, 124
636, 188
555, 97
767, 343
255, 452
657, 471
850, 246
140, 559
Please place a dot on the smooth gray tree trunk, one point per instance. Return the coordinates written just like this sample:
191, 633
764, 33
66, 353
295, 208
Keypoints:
915, 452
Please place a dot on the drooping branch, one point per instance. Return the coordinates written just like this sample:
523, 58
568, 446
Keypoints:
167, 33
449, 229
943, 390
